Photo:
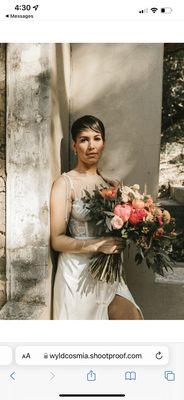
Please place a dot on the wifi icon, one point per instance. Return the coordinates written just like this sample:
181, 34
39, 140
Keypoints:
154, 9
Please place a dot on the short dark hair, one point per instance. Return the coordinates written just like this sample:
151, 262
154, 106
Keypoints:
87, 122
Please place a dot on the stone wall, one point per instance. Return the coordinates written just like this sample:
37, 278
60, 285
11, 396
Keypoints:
28, 181
2, 174
38, 77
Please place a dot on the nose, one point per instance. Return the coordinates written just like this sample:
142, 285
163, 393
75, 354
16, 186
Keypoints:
91, 145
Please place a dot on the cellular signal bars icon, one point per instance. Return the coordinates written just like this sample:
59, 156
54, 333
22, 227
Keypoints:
143, 11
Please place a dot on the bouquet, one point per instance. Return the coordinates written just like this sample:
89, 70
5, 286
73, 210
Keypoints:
124, 212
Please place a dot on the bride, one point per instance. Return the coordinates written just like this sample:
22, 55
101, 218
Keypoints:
75, 236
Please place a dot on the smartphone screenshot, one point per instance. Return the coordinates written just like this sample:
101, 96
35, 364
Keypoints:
91, 200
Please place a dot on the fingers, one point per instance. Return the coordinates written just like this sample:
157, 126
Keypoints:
115, 240
112, 245
117, 249
119, 240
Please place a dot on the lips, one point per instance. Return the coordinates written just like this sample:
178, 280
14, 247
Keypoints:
92, 154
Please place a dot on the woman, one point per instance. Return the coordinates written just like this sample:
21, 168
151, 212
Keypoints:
74, 235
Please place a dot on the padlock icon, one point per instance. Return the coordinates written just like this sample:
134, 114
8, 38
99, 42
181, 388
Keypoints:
91, 376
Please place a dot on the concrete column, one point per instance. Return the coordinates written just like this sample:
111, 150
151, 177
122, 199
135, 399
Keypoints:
2, 174
38, 77
28, 181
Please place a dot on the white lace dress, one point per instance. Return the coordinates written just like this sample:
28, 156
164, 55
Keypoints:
76, 294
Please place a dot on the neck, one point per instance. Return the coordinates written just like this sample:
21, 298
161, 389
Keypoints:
92, 169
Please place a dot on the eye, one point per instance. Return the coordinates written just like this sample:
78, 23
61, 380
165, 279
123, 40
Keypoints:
98, 138
82, 140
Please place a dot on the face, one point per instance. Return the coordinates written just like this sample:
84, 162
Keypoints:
89, 146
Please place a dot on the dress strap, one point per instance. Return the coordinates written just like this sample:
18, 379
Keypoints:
69, 187
69, 181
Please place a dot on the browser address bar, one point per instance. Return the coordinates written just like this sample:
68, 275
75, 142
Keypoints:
92, 355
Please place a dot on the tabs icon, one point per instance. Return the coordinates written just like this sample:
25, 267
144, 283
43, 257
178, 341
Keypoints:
169, 375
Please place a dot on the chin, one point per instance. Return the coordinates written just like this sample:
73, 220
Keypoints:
92, 161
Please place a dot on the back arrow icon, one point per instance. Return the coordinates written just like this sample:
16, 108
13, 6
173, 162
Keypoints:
13, 375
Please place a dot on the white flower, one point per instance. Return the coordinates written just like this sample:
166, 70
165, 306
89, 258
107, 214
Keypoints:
116, 222
135, 187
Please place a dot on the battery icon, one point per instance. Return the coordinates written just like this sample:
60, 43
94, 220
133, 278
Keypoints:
166, 10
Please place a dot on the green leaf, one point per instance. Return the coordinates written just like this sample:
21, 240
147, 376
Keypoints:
109, 213
108, 223
100, 222
138, 258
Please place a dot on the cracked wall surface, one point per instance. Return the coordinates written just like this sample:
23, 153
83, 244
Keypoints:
37, 77
2, 174
28, 184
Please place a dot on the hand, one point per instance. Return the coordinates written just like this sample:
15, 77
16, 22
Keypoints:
111, 245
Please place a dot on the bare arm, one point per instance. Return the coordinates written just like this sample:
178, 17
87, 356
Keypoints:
60, 212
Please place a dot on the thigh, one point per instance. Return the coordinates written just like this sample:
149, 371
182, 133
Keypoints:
121, 308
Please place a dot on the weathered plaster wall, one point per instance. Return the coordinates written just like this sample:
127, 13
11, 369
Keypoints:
2, 175
122, 85
38, 78
28, 181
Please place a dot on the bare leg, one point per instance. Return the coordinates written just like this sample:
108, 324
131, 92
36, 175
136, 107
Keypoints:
121, 308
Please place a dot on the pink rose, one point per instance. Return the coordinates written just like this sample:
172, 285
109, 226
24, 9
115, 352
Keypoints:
149, 202
160, 220
116, 222
137, 215
123, 211
136, 203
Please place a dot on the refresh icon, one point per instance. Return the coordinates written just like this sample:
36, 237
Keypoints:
159, 355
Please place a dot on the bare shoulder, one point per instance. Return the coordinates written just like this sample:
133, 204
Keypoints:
59, 183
